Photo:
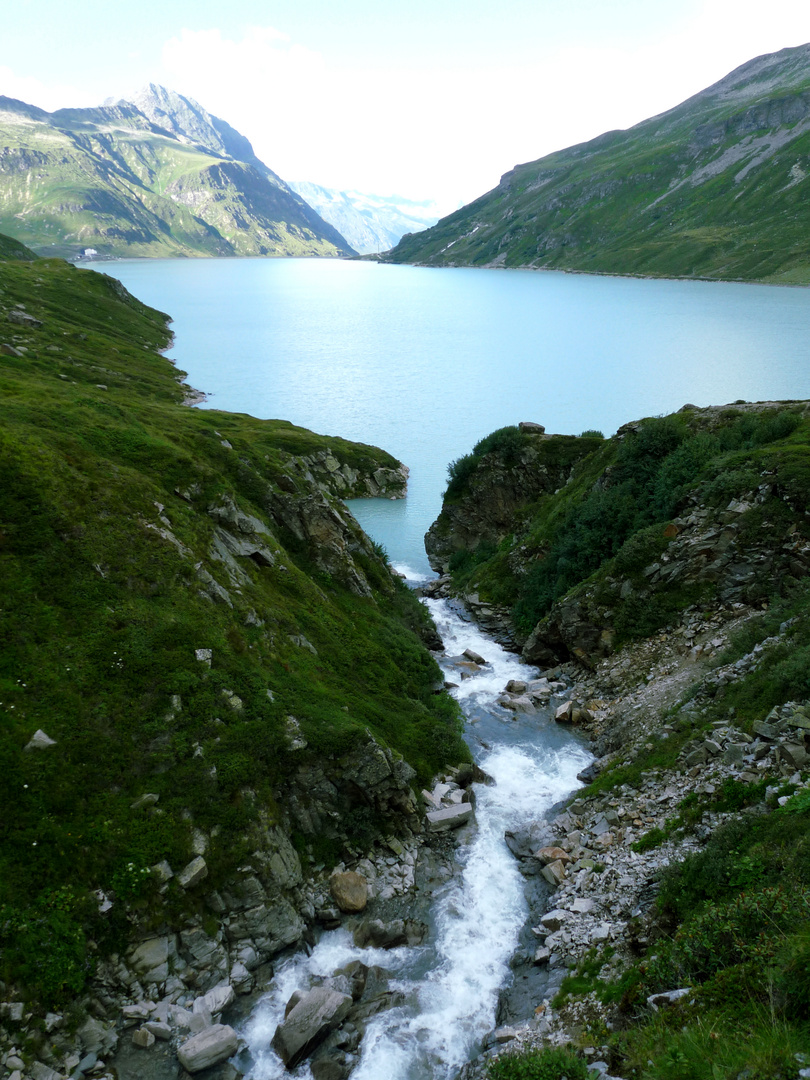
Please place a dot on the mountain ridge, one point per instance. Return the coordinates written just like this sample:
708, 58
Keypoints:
117, 181
710, 188
371, 223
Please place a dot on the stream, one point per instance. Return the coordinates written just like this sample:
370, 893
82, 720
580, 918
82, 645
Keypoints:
451, 983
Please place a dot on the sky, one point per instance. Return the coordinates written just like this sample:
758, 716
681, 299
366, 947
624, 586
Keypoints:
426, 99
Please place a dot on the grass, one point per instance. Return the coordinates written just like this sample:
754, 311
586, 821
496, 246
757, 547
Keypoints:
107, 570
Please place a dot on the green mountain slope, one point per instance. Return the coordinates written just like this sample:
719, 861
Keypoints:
112, 180
714, 188
135, 531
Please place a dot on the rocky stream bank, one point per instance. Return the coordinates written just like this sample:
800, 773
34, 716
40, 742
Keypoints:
172, 1006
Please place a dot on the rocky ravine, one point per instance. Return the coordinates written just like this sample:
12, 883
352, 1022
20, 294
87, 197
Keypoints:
602, 889
159, 1010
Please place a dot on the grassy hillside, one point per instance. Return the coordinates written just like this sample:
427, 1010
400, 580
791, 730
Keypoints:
714, 188
135, 531
112, 180
626, 505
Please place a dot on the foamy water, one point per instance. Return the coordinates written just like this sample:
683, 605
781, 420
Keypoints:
451, 983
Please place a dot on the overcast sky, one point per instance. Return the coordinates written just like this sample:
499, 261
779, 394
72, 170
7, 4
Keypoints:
429, 99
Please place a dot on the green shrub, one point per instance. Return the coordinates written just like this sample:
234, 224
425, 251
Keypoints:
506, 441
553, 1063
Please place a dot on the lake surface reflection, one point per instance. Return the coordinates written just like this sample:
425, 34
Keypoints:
425, 362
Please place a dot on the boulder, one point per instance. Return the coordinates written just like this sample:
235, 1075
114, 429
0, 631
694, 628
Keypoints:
40, 741
668, 997
143, 1038
216, 1000
143, 802
529, 427
451, 817
349, 891
474, 656
552, 854
210, 1047
159, 1029
39, 1071
150, 959
193, 873
317, 1013
517, 703
554, 873
553, 920
375, 934
795, 754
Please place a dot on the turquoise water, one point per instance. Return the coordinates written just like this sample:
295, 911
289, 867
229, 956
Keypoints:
425, 362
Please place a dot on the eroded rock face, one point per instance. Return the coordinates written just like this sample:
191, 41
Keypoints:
497, 491
714, 547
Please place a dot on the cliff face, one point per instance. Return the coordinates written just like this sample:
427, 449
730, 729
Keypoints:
704, 507
187, 747
498, 490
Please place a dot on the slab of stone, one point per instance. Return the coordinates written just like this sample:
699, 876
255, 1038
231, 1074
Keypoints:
766, 730
159, 1029
150, 959
210, 1047
143, 1038
583, 907
134, 1014
39, 1071
553, 920
474, 656
40, 741
564, 714
669, 997
554, 873
552, 854
451, 817
216, 1000
795, 754
318, 1012
193, 873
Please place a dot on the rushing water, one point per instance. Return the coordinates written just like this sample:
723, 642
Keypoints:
451, 982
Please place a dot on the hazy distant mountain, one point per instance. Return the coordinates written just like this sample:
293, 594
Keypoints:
717, 187
370, 223
172, 180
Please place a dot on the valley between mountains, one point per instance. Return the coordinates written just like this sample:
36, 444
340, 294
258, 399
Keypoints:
225, 730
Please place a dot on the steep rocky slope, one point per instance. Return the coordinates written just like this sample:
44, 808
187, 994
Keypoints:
573, 545
665, 573
186, 746
117, 181
712, 188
